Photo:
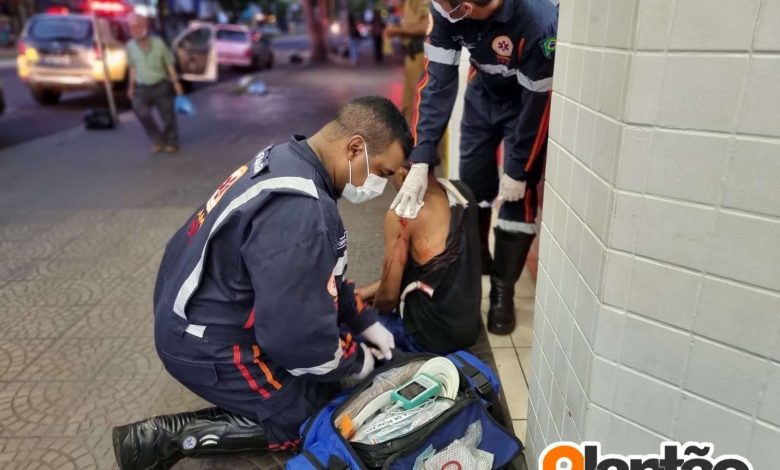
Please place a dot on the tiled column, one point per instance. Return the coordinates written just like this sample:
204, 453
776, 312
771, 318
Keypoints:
658, 306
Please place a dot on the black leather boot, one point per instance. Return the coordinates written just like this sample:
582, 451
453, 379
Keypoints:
484, 236
159, 442
511, 252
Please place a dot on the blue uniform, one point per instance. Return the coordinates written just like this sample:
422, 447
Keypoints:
252, 311
508, 97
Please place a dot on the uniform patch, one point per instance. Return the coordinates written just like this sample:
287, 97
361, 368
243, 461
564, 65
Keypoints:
222, 189
503, 48
189, 443
548, 46
260, 162
196, 223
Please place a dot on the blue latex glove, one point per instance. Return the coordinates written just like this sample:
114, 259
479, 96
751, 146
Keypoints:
184, 106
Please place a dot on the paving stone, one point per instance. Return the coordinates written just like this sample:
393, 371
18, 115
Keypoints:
39, 322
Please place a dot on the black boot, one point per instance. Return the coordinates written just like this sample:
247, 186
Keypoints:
159, 442
484, 236
511, 252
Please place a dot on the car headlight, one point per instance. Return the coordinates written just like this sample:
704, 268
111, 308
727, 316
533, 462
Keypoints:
31, 54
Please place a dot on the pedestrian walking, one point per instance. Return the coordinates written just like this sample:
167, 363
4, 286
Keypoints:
153, 84
355, 39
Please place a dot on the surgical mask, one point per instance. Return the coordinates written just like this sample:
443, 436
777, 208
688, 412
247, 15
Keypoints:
373, 187
447, 14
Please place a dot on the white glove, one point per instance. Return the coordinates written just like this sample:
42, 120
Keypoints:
409, 201
380, 337
510, 189
368, 363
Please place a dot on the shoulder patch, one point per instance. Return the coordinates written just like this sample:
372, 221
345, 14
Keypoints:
548, 46
260, 162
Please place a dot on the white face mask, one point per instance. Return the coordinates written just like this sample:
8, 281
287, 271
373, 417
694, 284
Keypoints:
373, 187
448, 14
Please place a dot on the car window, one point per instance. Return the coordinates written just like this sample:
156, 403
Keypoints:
61, 29
119, 31
198, 37
232, 36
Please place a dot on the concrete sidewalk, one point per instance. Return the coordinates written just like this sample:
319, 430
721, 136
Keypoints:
84, 217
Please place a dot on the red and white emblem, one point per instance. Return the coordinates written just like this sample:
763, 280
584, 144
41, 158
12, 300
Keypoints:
503, 46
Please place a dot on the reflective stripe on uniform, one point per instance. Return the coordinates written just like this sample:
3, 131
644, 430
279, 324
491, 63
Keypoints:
441, 55
545, 84
516, 227
321, 369
294, 183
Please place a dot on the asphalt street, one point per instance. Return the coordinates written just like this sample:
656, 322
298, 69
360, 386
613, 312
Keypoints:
24, 119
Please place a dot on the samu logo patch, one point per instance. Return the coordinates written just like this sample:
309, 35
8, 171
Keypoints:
548, 46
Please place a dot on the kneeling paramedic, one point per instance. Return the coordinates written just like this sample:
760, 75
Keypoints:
511, 45
252, 310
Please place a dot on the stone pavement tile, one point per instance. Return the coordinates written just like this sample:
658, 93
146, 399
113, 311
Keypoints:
174, 397
135, 359
72, 408
91, 244
29, 248
55, 292
133, 290
17, 355
71, 359
56, 453
114, 321
513, 382
270, 461
92, 268
39, 322
14, 269
148, 270
523, 335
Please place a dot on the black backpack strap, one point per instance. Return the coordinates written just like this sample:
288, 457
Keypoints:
479, 380
313, 460
335, 463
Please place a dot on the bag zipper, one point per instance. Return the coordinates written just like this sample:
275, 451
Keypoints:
511, 435
367, 383
420, 433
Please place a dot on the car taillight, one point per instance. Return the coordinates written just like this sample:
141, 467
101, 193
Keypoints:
21, 47
248, 52
96, 50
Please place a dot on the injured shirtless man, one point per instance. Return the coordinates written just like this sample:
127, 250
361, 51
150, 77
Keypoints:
430, 291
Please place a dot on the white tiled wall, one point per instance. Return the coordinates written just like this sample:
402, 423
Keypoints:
658, 297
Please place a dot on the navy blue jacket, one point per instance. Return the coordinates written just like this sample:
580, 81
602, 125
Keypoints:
512, 54
262, 264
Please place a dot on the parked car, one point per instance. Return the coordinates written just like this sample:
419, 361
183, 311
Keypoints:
203, 47
241, 47
59, 53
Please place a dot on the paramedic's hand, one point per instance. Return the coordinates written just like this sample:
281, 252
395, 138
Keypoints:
409, 200
368, 363
510, 189
381, 338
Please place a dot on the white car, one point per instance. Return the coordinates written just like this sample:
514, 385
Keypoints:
202, 48
239, 46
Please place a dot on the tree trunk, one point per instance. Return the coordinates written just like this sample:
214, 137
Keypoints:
316, 14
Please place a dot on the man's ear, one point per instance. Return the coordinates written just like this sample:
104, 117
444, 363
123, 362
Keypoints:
355, 147
468, 8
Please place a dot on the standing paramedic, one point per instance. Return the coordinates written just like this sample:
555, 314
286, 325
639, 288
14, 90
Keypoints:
512, 44
251, 308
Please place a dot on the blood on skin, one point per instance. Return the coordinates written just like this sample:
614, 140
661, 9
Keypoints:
400, 247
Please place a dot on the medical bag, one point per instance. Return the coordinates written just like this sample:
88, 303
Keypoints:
467, 422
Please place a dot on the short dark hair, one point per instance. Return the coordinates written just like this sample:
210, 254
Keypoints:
378, 120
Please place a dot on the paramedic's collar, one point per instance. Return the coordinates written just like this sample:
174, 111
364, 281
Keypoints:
507, 11
299, 145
